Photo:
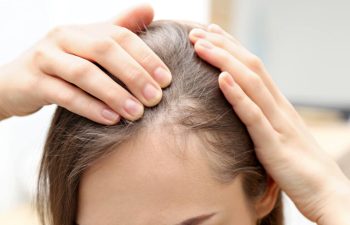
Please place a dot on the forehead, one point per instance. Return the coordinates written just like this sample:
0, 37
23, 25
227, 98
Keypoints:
155, 177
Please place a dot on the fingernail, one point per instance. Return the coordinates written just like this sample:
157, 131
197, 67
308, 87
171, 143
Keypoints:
162, 76
205, 44
199, 33
133, 108
215, 28
228, 79
110, 115
151, 93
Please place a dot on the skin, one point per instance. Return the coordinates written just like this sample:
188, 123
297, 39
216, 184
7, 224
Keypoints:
284, 146
164, 183
60, 69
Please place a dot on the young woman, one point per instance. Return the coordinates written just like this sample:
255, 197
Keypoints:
190, 160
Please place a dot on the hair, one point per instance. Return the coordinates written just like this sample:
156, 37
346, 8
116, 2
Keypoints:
193, 103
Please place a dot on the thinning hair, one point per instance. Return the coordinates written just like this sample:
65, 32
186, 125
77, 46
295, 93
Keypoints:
193, 103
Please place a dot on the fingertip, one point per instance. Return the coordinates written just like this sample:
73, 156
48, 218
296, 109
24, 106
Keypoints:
192, 38
133, 108
136, 18
197, 33
226, 79
163, 76
215, 28
226, 84
156, 100
147, 10
110, 117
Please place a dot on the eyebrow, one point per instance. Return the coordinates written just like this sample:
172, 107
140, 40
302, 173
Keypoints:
192, 221
196, 220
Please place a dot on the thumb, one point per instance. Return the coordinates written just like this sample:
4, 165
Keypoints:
136, 18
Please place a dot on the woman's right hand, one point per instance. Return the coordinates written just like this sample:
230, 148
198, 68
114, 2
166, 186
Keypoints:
61, 69
282, 141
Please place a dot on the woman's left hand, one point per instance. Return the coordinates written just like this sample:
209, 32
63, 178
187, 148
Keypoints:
282, 142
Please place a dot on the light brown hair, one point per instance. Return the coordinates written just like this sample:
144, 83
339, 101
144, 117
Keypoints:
193, 102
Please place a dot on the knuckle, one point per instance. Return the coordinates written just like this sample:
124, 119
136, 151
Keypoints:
66, 98
134, 76
123, 35
254, 62
79, 70
239, 97
255, 82
39, 54
147, 59
111, 97
103, 45
254, 115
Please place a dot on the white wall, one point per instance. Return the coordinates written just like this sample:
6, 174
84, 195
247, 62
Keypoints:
305, 45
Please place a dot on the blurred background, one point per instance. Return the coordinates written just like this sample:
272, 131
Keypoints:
304, 44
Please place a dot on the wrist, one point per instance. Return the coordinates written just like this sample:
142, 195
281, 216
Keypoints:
336, 209
337, 214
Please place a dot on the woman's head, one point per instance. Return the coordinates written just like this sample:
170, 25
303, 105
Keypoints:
190, 156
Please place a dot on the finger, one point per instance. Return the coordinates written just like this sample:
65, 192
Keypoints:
250, 82
257, 124
222, 39
94, 81
142, 53
217, 29
75, 100
240, 53
136, 18
111, 56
